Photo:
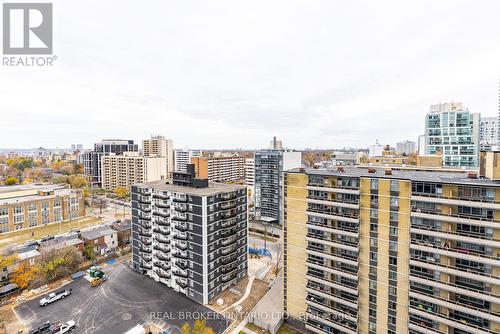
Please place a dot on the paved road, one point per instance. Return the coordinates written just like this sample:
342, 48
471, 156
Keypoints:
127, 298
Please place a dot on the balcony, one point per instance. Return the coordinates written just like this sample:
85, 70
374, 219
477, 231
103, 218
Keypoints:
145, 223
460, 253
146, 266
162, 265
162, 256
181, 207
229, 241
142, 215
161, 248
162, 273
145, 242
228, 268
332, 284
162, 205
181, 246
331, 228
329, 214
162, 223
227, 232
145, 257
229, 205
161, 231
456, 236
159, 238
144, 233
476, 203
181, 227
333, 270
144, 208
180, 255
328, 323
229, 196
229, 213
228, 223
414, 310
145, 250
161, 196
228, 250
228, 277
162, 214
143, 199
229, 259
179, 218
181, 264
339, 243
143, 191
455, 218
352, 190
180, 199
180, 236
182, 283
334, 203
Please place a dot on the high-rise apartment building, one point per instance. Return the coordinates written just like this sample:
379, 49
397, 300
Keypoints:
392, 251
183, 157
190, 235
453, 132
250, 172
122, 171
488, 133
269, 168
92, 159
407, 147
27, 206
220, 168
276, 144
158, 146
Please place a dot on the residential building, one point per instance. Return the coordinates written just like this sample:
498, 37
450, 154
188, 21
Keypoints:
452, 131
92, 159
421, 145
25, 256
392, 250
488, 133
27, 206
346, 157
375, 150
250, 173
406, 147
183, 157
190, 235
124, 232
269, 168
220, 168
387, 160
158, 146
101, 240
122, 171
71, 240
276, 144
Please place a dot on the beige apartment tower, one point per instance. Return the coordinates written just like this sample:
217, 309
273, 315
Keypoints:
122, 171
374, 250
158, 146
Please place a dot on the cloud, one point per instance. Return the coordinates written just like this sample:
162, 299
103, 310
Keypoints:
227, 74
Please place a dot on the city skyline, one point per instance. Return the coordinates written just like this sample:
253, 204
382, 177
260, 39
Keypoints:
311, 72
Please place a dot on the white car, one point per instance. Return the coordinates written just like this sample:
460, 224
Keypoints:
53, 296
66, 327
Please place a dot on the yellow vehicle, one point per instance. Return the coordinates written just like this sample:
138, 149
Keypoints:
97, 281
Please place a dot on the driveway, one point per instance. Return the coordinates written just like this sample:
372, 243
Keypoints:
125, 299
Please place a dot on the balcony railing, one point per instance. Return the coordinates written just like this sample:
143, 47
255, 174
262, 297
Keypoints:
162, 274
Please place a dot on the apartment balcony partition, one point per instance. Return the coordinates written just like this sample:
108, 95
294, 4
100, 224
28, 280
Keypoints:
163, 274
180, 236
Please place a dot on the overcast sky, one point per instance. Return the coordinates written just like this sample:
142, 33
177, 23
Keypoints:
231, 74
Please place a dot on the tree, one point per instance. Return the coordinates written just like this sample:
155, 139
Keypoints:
6, 261
23, 276
88, 252
11, 181
121, 192
77, 182
364, 159
77, 169
200, 327
58, 262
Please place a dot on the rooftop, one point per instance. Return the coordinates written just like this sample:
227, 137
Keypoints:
212, 189
31, 192
122, 226
438, 176
97, 233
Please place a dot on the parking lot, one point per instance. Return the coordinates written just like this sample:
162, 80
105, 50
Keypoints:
125, 299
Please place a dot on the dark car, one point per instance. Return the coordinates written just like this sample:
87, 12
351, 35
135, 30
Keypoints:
41, 329
47, 238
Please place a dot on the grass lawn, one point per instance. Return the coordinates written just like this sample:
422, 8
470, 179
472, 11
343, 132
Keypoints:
21, 236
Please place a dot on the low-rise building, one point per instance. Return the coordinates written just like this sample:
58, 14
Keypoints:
102, 240
23, 256
124, 232
62, 242
27, 206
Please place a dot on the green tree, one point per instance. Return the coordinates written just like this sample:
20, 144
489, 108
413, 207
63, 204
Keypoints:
11, 181
58, 262
88, 252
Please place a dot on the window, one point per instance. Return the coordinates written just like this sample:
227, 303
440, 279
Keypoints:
4, 211
395, 185
393, 246
394, 201
373, 256
374, 184
373, 228
373, 242
393, 231
392, 290
374, 213
373, 285
393, 216
18, 209
393, 261
393, 276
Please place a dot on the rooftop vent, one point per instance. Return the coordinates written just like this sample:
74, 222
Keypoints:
371, 170
340, 169
388, 171
472, 175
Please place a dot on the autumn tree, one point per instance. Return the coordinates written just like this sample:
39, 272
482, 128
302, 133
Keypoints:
11, 181
6, 261
24, 275
121, 192
199, 327
58, 262
88, 252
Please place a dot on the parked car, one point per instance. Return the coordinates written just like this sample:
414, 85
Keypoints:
54, 296
64, 328
41, 329
47, 238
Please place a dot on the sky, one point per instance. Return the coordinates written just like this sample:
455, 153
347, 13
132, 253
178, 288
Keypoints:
232, 74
